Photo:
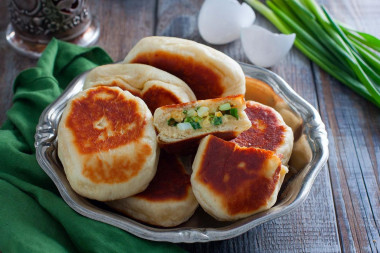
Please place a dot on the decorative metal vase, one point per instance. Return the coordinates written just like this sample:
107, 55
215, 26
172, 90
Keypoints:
35, 22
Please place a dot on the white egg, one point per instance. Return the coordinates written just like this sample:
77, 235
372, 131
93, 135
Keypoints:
184, 126
220, 21
264, 48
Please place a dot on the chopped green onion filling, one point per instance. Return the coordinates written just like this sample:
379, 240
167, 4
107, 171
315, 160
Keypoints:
194, 117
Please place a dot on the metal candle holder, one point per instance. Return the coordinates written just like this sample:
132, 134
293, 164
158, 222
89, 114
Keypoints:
35, 22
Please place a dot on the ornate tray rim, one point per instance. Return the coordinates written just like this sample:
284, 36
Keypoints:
313, 127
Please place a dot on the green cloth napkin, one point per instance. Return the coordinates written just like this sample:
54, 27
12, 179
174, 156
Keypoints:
33, 216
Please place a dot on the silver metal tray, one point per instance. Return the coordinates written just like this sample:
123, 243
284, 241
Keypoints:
201, 227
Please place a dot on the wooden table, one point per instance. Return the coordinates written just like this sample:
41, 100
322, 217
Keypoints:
342, 211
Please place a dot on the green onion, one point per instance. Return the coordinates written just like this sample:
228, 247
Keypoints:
364, 38
172, 122
359, 68
216, 120
195, 125
370, 57
348, 55
234, 112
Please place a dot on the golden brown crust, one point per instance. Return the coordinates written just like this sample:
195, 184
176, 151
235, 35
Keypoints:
208, 72
90, 124
232, 182
107, 155
268, 131
179, 65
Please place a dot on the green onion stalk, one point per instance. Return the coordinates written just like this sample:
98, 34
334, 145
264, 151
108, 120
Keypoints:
348, 55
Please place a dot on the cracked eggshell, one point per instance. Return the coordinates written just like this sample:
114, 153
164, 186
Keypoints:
264, 48
220, 21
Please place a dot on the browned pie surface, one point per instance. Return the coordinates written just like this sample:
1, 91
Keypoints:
265, 132
118, 168
105, 120
236, 175
156, 97
204, 82
170, 182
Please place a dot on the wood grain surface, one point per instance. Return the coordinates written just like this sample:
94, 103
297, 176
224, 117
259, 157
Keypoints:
342, 211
